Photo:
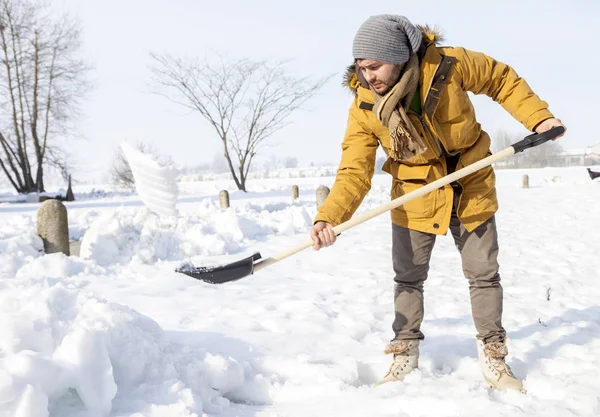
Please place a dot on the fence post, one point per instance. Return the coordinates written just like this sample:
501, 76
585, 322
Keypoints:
322, 193
53, 226
295, 192
525, 181
224, 199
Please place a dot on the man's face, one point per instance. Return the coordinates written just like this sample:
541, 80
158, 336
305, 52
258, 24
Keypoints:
381, 76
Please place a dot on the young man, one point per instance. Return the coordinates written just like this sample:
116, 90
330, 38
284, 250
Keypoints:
411, 98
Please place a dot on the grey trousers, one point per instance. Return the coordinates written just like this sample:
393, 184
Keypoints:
411, 252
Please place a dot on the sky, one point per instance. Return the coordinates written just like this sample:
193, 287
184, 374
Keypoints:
550, 43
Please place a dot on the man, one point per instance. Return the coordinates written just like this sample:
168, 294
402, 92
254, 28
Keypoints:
411, 98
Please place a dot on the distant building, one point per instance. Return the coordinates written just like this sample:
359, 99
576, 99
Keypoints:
592, 156
566, 158
577, 157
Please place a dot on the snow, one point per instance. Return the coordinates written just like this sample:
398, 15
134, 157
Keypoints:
116, 332
155, 184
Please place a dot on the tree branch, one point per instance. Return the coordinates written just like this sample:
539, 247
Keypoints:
245, 101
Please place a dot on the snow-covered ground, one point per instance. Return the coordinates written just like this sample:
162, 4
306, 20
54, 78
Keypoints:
116, 332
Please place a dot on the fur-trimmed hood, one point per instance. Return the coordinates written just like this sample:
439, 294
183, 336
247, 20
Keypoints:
432, 35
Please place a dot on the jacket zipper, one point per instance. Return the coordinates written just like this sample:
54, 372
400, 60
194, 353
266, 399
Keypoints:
436, 142
434, 138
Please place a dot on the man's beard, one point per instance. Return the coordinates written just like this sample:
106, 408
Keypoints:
387, 84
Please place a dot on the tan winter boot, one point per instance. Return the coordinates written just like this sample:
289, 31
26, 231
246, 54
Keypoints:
406, 359
495, 370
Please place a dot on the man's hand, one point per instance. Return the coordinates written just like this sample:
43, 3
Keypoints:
322, 235
549, 124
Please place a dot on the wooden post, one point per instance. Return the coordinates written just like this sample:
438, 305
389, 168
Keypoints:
75, 247
525, 181
322, 193
53, 226
70, 196
295, 192
224, 199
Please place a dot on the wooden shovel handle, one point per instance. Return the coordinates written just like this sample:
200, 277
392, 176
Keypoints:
397, 202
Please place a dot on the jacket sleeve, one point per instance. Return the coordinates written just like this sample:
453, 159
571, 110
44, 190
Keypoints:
353, 179
482, 74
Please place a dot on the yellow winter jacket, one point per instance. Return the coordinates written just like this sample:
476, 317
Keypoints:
448, 125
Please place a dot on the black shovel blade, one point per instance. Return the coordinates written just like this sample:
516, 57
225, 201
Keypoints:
222, 273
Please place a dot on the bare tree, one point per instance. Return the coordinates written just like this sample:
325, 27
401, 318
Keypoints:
502, 140
245, 101
41, 84
536, 157
290, 162
121, 175
543, 155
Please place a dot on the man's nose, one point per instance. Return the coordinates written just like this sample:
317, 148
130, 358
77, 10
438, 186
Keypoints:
370, 76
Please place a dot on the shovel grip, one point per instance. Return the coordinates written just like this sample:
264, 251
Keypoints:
536, 139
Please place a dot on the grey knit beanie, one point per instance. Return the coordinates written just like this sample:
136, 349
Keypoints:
386, 38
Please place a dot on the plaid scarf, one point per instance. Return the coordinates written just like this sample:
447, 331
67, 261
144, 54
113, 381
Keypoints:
391, 108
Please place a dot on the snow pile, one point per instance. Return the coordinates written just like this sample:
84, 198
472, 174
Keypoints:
66, 352
19, 244
133, 235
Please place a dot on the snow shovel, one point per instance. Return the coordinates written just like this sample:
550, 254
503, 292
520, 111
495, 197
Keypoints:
247, 266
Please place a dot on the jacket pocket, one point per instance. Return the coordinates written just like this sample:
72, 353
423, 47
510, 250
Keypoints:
411, 178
